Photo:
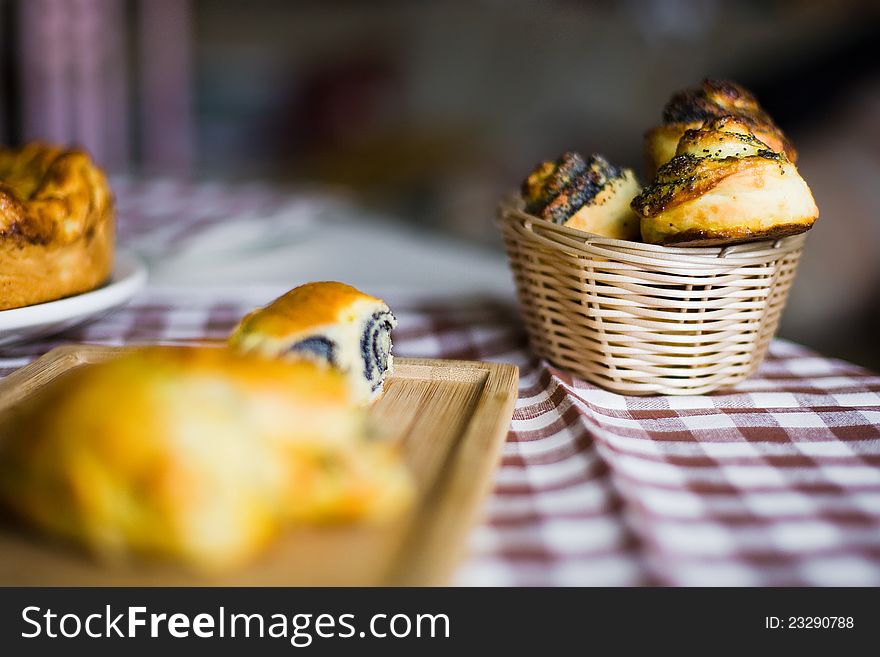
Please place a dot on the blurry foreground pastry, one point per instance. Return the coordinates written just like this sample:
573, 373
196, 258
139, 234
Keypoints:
723, 186
330, 323
592, 195
56, 225
198, 455
690, 108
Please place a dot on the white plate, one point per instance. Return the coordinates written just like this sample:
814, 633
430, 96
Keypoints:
31, 322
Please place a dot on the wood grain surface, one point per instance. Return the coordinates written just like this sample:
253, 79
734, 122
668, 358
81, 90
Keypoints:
451, 418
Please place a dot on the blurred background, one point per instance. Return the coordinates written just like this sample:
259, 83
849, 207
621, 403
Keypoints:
427, 112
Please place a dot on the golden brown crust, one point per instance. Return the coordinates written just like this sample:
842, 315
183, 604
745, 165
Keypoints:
303, 308
697, 238
690, 108
704, 157
199, 455
660, 145
722, 187
57, 225
713, 98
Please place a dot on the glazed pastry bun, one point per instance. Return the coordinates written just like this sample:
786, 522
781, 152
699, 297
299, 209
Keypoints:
690, 108
724, 186
590, 195
197, 455
330, 323
57, 225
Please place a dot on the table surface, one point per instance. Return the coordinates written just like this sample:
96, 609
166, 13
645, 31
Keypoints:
776, 482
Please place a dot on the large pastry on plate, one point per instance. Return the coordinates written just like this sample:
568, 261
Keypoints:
197, 455
690, 108
56, 225
330, 323
724, 186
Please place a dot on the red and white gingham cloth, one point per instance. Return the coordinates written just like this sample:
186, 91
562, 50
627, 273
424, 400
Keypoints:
774, 483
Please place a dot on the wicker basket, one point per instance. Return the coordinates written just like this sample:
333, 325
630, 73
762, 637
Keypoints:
642, 319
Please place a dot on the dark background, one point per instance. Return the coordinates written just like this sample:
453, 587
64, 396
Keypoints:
429, 111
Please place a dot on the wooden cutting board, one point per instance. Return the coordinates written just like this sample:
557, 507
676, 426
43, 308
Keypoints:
451, 418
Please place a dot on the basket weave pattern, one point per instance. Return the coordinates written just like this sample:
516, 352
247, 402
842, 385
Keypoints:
643, 319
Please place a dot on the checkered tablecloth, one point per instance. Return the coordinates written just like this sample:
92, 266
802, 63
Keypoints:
774, 483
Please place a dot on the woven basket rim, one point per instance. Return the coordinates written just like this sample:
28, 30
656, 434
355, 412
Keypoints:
512, 206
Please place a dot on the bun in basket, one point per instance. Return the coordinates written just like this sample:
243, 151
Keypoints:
724, 186
690, 108
590, 195
56, 225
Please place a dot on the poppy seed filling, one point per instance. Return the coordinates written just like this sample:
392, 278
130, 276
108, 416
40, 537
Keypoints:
317, 346
376, 347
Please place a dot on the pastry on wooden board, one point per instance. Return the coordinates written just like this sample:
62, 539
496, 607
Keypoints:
331, 323
194, 455
57, 224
